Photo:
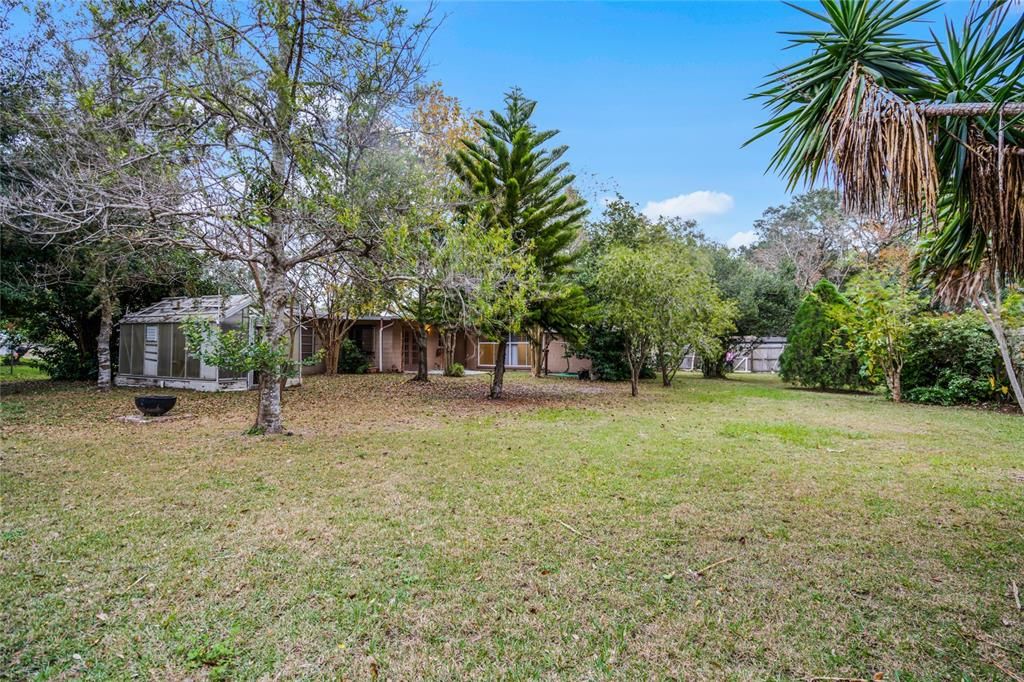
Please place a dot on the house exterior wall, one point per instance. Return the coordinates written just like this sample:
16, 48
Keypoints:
393, 337
391, 348
557, 362
311, 344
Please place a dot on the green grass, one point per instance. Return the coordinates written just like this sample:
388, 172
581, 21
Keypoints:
21, 373
411, 531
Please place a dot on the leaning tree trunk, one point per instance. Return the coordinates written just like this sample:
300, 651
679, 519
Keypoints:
498, 380
103, 377
995, 323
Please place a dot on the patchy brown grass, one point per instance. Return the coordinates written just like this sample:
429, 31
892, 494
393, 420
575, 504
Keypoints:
420, 531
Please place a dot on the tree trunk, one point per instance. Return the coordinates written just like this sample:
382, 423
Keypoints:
449, 338
536, 340
269, 416
331, 340
103, 376
995, 323
497, 381
421, 354
895, 384
635, 360
275, 307
276, 291
713, 368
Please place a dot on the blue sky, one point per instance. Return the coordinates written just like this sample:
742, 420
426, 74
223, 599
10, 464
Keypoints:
650, 97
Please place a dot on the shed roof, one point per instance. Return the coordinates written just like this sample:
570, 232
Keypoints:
214, 308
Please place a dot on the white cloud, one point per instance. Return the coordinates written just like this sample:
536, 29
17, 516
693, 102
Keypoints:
693, 205
741, 239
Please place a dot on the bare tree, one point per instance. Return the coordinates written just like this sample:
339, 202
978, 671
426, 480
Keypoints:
286, 99
333, 295
80, 167
813, 238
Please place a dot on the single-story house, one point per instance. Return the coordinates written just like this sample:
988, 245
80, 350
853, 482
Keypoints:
152, 350
389, 343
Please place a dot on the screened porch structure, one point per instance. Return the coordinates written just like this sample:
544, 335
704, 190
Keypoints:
153, 351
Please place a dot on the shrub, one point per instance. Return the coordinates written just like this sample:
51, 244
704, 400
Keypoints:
952, 360
352, 359
456, 370
817, 353
604, 349
62, 361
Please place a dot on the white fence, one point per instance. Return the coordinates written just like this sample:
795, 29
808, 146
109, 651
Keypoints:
757, 356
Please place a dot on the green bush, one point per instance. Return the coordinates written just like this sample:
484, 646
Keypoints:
61, 360
456, 370
604, 348
817, 353
952, 360
352, 359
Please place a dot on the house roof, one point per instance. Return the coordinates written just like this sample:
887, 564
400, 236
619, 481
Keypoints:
214, 308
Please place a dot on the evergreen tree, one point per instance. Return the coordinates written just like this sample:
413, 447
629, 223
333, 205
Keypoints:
816, 354
520, 186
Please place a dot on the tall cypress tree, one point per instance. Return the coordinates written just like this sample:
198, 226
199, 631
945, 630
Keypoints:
817, 353
518, 184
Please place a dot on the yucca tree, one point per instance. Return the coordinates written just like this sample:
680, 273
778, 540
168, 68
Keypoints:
923, 131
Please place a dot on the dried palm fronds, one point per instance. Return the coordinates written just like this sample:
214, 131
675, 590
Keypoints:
881, 152
960, 285
995, 194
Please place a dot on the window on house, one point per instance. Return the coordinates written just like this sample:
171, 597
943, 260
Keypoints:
517, 352
308, 343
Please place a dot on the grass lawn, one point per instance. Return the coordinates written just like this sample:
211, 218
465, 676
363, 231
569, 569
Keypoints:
21, 373
411, 531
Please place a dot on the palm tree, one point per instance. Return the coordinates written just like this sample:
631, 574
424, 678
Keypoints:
920, 131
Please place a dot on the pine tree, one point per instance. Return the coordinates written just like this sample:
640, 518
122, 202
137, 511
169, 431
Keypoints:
519, 185
816, 355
